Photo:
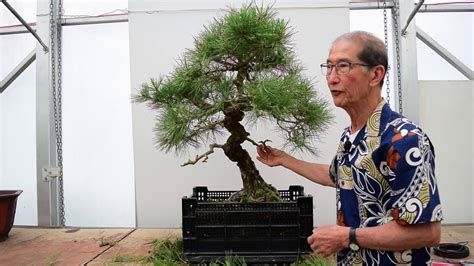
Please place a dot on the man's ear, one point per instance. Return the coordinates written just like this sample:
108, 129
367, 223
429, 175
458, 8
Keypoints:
378, 74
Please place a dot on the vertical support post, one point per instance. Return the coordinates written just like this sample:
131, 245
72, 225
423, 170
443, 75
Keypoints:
408, 63
47, 191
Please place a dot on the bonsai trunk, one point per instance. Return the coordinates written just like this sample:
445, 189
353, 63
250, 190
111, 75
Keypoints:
255, 188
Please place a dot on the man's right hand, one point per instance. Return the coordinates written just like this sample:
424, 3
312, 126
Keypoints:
270, 156
316, 172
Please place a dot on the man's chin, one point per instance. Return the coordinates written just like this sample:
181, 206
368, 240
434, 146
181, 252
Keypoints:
337, 102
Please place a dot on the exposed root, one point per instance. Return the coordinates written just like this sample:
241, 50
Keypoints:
265, 193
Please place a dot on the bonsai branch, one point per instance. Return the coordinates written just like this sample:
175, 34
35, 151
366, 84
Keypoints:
203, 156
262, 142
251, 141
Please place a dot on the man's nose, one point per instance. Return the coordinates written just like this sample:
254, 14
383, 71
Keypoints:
332, 77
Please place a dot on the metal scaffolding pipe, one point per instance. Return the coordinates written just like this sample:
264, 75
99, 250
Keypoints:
22, 66
124, 17
440, 50
13, 11
446, 8
412, 15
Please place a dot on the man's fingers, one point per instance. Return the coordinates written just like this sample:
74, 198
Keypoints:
321, 250
263, 151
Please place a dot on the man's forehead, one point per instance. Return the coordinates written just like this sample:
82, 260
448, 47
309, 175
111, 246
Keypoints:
343, 50
338, 60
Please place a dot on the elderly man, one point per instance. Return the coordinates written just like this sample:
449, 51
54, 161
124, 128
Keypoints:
388, 206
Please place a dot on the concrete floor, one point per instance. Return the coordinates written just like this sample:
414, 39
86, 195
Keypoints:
76, 246
86, 246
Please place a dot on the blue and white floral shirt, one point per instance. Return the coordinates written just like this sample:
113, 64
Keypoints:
387, 174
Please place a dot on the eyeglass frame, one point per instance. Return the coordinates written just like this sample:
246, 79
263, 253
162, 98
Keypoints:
329, 67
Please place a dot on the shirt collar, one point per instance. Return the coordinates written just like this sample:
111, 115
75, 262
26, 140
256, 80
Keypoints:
377, 119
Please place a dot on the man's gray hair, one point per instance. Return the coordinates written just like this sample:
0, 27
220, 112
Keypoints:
373, 50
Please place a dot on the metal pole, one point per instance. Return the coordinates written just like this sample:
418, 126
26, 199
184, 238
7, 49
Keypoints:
18, 70
446, 8
46, 156
413, 13
408, 66
445, 54
45, 48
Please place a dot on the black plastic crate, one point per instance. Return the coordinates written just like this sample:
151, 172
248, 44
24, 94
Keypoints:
269, 232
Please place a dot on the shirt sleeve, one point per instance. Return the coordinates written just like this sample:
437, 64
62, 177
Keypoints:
414, 196
332, 170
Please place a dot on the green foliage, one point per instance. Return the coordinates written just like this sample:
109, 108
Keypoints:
292, 104
121, 259
242, 61
230, 261
169, 252
249, 35
313, 260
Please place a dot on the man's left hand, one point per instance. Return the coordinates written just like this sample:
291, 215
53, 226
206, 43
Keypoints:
329, 239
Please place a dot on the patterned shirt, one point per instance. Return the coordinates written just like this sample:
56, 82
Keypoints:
386, 174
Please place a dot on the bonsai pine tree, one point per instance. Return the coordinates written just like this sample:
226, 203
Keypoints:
242, 66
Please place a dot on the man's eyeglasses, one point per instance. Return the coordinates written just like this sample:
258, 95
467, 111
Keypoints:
341, 67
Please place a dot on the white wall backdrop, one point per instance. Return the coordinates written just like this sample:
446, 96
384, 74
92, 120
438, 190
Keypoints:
1, 136
97, 133
76, 8
455, 32
97, 140
444, 115
156, 41
17, 125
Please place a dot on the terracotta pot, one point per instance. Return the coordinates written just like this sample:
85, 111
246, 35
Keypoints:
7, 211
